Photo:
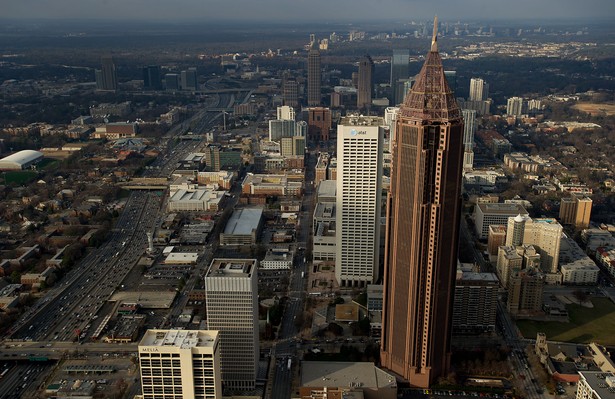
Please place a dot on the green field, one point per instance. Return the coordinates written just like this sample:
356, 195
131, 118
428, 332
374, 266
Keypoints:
586, 324
19, 177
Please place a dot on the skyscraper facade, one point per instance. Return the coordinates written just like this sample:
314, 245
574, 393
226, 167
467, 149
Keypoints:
479, 90
514, 106
358, 204
314, 78
180, 364
365, 83
290, 92
319, 124
399, 70
106, 77
423, 213
469, 128
152, 78
576, 210
189, 79
232, 309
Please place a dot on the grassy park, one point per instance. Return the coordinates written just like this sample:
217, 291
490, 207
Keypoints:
586, 324
19, 177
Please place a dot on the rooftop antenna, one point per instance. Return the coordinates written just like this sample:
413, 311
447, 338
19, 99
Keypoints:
434, 38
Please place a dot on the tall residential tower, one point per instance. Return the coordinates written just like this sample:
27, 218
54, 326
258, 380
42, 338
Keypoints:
423, 213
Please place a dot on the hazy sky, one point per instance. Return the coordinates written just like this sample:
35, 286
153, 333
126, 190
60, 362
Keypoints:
309, 10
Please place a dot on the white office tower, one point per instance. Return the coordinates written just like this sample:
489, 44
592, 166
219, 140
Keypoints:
286, 112
514, 106
390, 119
358, 200
469, 128
279, 128
479, 90
232, 309
180, 364
543, 233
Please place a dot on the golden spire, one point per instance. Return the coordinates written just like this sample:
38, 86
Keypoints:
434, 38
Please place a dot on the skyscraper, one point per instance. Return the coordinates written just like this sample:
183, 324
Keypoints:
189, 79
423, 213
359, 186
399, 70
469, 128
184, 363
290, 92
152, 78
319, 124
514, 106
479, 90
106, 77
232, 309
365, 84
313, 77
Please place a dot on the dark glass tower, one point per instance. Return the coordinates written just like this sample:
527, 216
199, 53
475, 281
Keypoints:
423, 211
314, 79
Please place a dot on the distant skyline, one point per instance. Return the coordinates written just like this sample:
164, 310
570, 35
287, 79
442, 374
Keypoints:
307, 11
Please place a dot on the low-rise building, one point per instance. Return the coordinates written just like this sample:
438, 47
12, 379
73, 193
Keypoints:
596, 385
277, 259
575, 266
364, 377
486, 215
243, 227
195, 200
271, 185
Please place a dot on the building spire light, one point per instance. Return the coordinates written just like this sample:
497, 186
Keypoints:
434, 38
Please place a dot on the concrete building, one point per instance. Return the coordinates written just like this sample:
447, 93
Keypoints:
486, 215
152, 77
21, 160
180, 363
292, 146
358, 203
576, 211
508, 260
232, 309
279, 128
543, 233
519, 161
422, 233
514, 106
475, 304
469, 128
596, 385
525, 292
399, 70
286, 112
319, 124
277, 259
496, 238
197, 200
324, 233
321, 378
279, 185
220, 158
189, 79
575, 266
106, 77
243, 227
365, 84
479, 90
314, 78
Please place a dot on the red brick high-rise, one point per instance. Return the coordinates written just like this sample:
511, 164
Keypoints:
423, 213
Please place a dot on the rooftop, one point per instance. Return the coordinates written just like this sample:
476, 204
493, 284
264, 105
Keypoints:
231, 267
183, 339
244, 221
602, 383
503, 209
345, 374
